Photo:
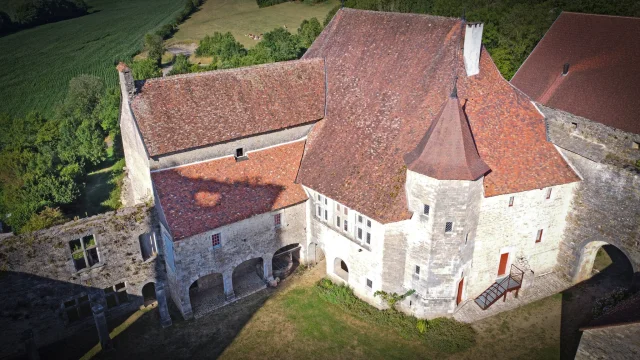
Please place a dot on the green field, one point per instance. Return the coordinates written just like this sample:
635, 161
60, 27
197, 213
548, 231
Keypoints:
39, 62
242, 17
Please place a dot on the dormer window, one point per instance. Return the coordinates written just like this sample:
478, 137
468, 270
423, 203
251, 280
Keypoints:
240, 154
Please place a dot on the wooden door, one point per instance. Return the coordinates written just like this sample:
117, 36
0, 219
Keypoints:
502, 269
460, 286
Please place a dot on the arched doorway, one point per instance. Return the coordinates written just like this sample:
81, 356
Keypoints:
247, 277
599, 256
285, 261
206, 294
149, 293
341, 269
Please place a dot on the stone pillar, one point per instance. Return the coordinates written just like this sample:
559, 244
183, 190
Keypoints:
227, 279
165, 318
267, 267
30, 346
101, 325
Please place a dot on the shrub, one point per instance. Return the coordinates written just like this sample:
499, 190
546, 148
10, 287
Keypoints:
609, 301
46, 218
145, 69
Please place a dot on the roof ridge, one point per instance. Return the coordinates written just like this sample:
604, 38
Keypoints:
396, 13
600, 15
232, 70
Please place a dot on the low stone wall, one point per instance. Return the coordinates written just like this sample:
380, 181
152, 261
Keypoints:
38, 276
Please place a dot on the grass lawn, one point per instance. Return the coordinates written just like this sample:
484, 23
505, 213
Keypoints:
39, 62
602, 260
242, 17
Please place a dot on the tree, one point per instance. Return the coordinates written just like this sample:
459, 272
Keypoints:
276, 45
309, 31
224, 46
154, 45
145, 69
108, 111
181, 65
6, 25
48, 217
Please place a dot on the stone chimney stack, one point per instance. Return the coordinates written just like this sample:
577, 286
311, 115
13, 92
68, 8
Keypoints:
126, 78
472, 47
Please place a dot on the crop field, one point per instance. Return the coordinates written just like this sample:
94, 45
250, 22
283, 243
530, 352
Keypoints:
39, 62
242, 17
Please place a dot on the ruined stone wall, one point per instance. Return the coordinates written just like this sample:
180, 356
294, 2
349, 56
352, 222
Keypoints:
443, 257
37, 275
255, 237
502, 228
136, 157
229, 148
614, 342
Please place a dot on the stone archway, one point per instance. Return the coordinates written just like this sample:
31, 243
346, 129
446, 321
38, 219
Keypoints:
149, 293
584, 269
247, 277
341, 269
206, 294
285, 260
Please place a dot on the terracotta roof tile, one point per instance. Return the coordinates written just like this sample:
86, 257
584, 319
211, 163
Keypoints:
189, 111
388, 75
447, 151
204, 196
604, 71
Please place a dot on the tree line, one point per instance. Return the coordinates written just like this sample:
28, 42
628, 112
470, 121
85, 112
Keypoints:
22, 14
44, 160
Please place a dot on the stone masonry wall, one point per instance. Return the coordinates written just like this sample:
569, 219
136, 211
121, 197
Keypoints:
135, 153
502, 229
37, 275
229, 148
613, 343
255, 237
444, 257
606, 208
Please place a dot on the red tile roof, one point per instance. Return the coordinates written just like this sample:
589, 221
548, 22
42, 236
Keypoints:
447, 151
604, 70
188, 111
388, 75
204, 196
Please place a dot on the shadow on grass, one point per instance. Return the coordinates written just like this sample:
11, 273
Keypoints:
578, 301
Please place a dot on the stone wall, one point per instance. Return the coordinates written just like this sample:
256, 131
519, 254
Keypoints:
613, 343
228, 148
255, 237
444, 257
136, 157
606, 209
513, 229
38, 275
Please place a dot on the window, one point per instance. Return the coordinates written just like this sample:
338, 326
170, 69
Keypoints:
78, 308
417, 269
511, 201
277, 218
338, 221
635, 145
84, 252
574, 126
426, 210
548, 193
369, 284
148, 246
322, 210
363, 228
466, 238
448, 227
116, 295
215, 240
539, 236
346, 225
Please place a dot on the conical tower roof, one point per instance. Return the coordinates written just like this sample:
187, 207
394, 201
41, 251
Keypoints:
447, 151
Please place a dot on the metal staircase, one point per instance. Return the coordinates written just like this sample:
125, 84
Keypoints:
501, 287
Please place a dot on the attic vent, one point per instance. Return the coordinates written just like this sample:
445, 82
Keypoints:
565, 69
240, 154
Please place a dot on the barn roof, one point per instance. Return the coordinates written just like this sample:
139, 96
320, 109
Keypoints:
182, 112
604, 71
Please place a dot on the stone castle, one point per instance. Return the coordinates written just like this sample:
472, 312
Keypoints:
394, 150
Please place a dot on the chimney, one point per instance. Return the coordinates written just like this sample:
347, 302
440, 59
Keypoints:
126, 78
472, 47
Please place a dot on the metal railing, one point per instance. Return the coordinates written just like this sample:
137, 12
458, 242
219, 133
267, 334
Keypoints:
501, 288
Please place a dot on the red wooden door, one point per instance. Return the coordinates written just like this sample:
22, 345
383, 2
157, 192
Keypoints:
460, 285
502, 269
